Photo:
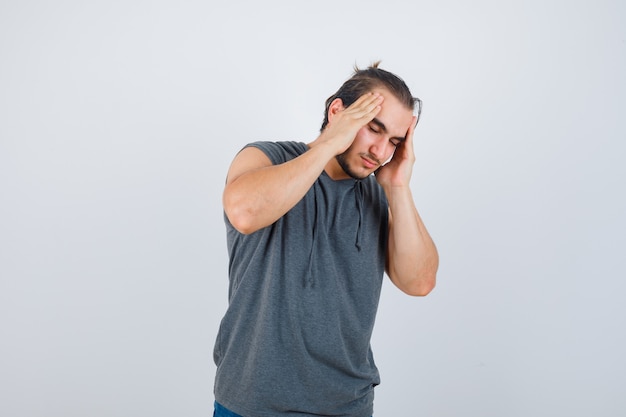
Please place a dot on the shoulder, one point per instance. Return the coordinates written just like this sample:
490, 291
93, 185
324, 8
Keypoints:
261, 154
279, 152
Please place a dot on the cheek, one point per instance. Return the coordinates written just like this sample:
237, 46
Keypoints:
389, 151
363, 135
366, 137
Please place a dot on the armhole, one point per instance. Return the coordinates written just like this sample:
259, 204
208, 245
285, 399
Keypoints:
248, 159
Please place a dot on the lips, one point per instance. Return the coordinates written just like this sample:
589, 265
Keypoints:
369, 163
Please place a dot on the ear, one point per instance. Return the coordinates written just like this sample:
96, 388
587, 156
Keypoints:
335, 107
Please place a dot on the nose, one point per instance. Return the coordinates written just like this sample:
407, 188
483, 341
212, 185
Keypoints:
378, 148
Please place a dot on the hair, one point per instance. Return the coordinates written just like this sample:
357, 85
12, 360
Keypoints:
364, 81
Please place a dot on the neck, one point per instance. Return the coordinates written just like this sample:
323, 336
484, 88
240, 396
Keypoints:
334, 170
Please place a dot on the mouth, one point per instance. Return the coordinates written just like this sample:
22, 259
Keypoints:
370, 163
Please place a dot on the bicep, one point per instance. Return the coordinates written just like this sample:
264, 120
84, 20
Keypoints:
247, 160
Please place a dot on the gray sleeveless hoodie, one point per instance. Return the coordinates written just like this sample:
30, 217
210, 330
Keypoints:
303, 295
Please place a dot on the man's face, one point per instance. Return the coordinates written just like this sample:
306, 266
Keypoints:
375, 142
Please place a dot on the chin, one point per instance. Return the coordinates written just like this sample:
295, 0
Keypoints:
348, 168
359, 176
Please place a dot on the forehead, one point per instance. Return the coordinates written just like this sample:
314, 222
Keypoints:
395, 115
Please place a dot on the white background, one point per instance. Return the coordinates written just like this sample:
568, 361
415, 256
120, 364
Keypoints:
118, 120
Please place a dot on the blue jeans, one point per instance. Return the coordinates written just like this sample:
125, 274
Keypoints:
221, 411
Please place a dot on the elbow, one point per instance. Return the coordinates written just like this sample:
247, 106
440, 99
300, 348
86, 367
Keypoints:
417, 283
239, 215
421, 285
245, 214
425, 280
241, 221
421, 288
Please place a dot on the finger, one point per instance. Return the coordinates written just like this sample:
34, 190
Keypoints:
368, 108
366, 101
405, 149
409, 134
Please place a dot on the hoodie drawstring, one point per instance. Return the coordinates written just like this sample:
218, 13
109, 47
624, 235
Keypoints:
358, 195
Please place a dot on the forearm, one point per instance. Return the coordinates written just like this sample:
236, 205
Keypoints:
258, 197
412, 258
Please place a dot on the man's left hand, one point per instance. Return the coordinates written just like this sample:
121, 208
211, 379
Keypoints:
397, 172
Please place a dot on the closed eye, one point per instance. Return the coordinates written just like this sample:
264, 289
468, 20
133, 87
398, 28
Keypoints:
379, 127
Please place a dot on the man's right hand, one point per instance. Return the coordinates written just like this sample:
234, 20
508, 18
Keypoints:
344, 123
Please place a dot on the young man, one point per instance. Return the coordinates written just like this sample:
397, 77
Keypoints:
311, 229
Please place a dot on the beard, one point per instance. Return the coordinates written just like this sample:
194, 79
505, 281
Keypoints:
342, 160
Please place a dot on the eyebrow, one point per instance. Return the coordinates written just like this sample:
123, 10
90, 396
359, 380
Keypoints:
382, 127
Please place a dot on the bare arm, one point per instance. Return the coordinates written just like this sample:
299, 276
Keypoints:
412, 258
258, 193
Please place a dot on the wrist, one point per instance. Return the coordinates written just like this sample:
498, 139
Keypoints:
398, 193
